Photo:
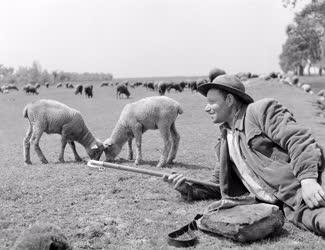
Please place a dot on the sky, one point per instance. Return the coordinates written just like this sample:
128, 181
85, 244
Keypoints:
143, 38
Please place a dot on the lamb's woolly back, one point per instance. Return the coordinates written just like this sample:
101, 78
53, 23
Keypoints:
153, 107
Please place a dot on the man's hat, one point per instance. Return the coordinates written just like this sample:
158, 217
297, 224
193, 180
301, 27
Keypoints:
229, 83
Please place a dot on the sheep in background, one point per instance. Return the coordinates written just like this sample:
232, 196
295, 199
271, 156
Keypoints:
104, 84
306, 88
155, 112
213, 73
122, 89
176, 86
10, 87
89, 91
53, 117
29, 88
79, 89
321, 92
69, 85
59, 85
192, 85
162, 87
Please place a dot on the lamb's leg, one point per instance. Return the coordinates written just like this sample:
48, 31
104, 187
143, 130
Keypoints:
165, 134
27, 144
175, 142
138, 140
36, 136
73, 147
63, 144
130, 153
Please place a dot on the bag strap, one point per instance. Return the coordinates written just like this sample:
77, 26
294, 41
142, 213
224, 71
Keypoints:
185, 236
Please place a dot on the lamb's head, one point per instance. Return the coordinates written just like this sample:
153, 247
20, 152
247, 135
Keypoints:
111, 149
96, 149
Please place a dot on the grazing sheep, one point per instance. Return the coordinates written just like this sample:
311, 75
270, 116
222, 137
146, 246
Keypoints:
321, 92
53, 117
176, 86
104, 84
29, 88
149, 85
306, 87
122, 89
295, 81
89, 91
162, 87
9, 87
192, 85
182, 84
47, 85
79, 89
69, 85
59, 85
244, 76
155, 112
321, 102
42, 236
213, 73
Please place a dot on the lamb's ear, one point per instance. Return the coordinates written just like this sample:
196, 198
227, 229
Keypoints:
94, 147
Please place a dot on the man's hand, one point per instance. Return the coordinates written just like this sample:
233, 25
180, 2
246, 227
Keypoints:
312, 193
178, 180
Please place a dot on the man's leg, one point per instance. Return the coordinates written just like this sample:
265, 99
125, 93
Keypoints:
314, 220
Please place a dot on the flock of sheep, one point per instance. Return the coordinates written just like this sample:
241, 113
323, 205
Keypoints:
155, 112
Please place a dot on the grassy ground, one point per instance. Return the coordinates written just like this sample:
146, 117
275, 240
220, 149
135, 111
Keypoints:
111, 209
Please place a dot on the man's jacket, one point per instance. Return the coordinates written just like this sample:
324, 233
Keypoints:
280, 152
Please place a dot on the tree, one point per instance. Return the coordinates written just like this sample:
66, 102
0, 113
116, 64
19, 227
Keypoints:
35, 72
304, 42
55, 75
292, 3
294, 56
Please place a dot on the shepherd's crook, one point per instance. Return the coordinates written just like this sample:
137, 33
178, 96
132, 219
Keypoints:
101, 164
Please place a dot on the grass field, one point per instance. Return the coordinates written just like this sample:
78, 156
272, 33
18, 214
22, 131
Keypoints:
118, 210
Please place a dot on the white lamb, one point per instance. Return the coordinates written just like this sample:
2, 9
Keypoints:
53, 117
156, 112
306, 87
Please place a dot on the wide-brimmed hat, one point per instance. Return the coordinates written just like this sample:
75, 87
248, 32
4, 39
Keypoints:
229, 83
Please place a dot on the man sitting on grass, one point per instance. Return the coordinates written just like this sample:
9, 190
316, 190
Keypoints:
262, 152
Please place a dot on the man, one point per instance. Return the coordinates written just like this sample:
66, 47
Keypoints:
262, 152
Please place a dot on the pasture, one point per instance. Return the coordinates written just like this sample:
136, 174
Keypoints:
118, 210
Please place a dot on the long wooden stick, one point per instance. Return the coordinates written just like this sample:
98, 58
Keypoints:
101, 164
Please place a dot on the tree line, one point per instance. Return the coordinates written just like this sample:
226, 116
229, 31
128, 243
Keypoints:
305, 44
35, 74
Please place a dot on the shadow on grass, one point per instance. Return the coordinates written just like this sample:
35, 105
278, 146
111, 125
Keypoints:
70, 161
272, 238
154, 164
188, 166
